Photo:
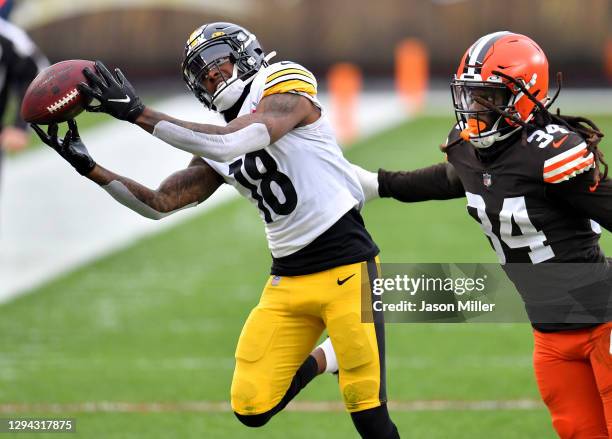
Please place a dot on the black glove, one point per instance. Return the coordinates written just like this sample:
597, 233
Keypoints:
116, 95
71, 148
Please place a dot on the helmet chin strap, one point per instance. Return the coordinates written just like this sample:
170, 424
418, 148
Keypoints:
230, 94
484, 142
269, 56
488, 141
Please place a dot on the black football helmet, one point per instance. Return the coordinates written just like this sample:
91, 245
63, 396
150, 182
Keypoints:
213, 44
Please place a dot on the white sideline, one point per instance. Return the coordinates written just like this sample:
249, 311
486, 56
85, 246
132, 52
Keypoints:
294, 406
53, 221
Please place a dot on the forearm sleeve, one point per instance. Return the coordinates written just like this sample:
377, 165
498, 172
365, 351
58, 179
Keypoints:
437, 182
122, 194
217, 147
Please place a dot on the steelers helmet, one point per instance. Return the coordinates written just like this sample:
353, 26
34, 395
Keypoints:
213, 44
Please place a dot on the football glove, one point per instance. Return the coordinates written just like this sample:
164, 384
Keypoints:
115, 94
71, 148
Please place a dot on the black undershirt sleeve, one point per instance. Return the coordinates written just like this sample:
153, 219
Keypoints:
437, 182
594, 204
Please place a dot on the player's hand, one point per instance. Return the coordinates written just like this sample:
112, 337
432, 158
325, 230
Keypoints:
71, 148
13, 139
114, 92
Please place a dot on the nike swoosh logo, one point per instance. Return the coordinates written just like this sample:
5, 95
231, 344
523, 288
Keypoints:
559, 142
125, 100
341, 282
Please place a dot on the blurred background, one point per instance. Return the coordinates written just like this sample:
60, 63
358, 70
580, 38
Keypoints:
319, 33
129, 325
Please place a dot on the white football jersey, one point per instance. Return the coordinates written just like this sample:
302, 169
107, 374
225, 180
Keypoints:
301, 184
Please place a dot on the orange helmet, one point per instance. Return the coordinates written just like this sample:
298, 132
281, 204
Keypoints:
485, 72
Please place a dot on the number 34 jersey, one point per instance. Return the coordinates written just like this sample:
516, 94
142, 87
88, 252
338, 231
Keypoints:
301, 184
514, 196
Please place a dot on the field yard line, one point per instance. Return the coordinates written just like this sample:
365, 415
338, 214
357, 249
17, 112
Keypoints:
52, 221
296, 406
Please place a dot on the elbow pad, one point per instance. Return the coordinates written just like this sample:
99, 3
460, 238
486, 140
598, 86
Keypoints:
217, 147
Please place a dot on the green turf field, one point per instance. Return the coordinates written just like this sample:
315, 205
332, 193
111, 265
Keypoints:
158, 322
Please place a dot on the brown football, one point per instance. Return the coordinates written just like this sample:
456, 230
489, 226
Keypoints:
53, 96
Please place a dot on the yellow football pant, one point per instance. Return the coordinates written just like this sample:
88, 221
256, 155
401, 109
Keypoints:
284, 327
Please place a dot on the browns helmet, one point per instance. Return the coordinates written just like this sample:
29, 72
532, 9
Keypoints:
484, 74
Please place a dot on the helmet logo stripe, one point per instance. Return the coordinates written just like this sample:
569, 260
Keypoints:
479, 50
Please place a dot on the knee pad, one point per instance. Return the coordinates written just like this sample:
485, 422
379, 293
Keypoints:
375, 423
254, 421
364, 393
245, 396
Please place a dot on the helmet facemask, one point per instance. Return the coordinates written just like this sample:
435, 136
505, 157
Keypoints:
500, 85
478, 108
241, 49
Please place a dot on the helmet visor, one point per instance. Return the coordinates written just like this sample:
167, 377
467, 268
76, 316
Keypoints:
200, 62
476, 104
467, 94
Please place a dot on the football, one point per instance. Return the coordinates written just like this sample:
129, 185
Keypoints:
53, 97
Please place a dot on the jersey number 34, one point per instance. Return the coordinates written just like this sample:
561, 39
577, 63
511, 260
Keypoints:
513, 208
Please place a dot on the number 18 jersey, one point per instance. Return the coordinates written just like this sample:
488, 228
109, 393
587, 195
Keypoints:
301, 184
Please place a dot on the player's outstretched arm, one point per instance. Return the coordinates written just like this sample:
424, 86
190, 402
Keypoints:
185, 188
437, 182
276, 115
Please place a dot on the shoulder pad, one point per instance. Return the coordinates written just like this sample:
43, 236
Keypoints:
553, 139
287, 76
565, 153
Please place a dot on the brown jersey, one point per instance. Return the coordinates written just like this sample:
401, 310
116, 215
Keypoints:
509, 194
538, 206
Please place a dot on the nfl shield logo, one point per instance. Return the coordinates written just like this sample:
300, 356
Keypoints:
276, 280
486, 179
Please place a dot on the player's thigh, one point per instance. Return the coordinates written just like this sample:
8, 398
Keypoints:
359, 346
274, 342
601, 362
568, 388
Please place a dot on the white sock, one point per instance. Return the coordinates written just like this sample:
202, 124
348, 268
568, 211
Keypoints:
330, 356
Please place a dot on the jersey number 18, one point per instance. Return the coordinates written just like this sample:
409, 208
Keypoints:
268, 179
